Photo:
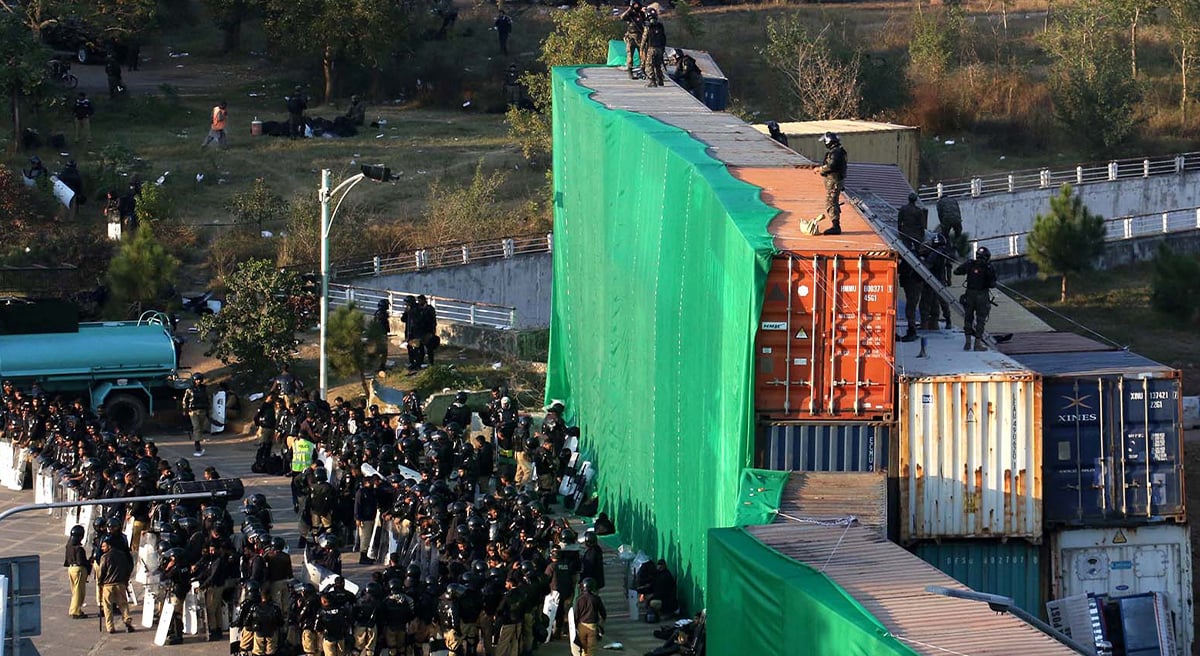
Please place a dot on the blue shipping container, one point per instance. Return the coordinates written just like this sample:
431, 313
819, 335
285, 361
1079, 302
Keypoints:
716, 93
827, 447
1113, 438
1012, 568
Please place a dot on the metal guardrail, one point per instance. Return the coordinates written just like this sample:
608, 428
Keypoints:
446, 256
1125, 227
471, 313
1121, 169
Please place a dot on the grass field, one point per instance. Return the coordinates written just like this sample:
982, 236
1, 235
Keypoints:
1116, 304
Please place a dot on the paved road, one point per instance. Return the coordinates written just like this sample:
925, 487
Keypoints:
38, 533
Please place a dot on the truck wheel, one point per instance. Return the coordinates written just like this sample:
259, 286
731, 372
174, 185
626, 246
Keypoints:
127, 411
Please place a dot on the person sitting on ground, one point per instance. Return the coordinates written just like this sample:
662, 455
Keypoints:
357, 112
663, 598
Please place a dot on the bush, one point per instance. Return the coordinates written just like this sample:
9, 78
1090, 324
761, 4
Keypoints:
1175, 288
235, 247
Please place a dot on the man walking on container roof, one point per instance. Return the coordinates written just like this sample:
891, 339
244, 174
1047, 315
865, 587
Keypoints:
977, 300
654, 45
833, 169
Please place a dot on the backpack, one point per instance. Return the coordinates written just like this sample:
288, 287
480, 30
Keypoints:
320, 500
260, 459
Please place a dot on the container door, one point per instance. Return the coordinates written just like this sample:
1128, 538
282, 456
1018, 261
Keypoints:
826, 341
787, 367
861, 334
1121, 562
1113, 449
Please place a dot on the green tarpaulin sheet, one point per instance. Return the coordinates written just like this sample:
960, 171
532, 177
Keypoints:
759, 495
660, 258
616, 54
762, 602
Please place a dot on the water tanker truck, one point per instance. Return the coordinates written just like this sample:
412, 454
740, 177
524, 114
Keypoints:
125, 367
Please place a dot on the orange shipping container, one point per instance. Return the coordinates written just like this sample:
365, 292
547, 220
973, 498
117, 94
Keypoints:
827, 335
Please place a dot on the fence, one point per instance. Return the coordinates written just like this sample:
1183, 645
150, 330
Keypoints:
446, 256
454, 310
1126, 227
1121, 169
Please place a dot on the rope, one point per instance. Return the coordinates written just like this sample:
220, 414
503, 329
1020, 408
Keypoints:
844, 522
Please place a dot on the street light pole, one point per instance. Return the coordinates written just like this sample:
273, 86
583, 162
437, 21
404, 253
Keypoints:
326, 195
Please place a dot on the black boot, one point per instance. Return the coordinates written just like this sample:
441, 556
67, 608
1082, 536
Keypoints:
910, 336
835, 229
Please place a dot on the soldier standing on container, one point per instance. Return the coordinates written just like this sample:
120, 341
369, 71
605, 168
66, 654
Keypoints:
636, 19
833, 169
912, 284
655, 41
937, 260
977, 300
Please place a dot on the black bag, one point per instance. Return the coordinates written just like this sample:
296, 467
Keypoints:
275, 465
232, 487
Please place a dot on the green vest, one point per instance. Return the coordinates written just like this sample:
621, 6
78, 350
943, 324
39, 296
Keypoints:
302, 453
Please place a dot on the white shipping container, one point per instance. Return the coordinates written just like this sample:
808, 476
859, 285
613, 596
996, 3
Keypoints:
970, 461
1125, 561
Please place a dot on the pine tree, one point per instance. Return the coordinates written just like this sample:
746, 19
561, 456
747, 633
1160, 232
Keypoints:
1068, 239
141, 271
354, 345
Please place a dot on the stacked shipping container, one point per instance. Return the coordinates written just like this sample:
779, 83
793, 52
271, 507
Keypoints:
1114, 506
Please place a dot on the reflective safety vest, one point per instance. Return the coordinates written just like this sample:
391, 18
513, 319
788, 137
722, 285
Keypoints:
302, 454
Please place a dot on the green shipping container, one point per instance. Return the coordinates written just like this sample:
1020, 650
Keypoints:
1014, 568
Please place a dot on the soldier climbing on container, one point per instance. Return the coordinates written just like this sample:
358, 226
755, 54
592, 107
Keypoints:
977, 300
949, 217
910, 221
833, 169
912, 284
937, 259
688, 74
776, 133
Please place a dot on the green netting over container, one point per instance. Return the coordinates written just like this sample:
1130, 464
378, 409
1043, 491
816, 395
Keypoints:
763, 602
660, 258
759, 495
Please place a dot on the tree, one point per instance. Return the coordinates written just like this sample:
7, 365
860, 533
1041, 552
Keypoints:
229, 15
938, 40
23, 73
1175, 288
823, 82
255, 331
1185, 26
141, 272
1097, 103
336, 31
258, 206
1131, 12
354, 346
1068, 239
580, 37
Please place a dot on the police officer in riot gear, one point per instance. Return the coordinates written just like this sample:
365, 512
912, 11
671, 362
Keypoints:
977, 300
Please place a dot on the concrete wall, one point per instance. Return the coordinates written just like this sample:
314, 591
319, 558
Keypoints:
994, 215
1116, 253
522, 281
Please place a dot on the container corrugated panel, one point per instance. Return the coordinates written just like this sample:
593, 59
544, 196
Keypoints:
1010, 568
970, 448
1050, 342
841, 447
1114, 439
1125, 561
886, 181
892, 584
832, 495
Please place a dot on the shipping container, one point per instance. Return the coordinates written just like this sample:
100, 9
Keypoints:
1030, 343
865, 141
1114, 438
827, 331
970, 447
1128, 561
1010, 568
826, 447
836, 495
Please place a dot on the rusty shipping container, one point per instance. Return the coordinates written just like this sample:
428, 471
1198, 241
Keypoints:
827, 332
970, 448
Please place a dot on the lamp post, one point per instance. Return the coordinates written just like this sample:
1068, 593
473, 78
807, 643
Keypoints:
326, 195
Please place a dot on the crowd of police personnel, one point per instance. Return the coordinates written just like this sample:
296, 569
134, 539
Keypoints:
468, 552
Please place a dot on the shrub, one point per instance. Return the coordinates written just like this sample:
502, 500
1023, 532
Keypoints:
1175, 287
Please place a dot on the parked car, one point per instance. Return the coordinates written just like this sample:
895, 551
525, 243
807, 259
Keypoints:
73, 35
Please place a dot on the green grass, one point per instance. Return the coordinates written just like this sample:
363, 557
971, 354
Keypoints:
1116, 304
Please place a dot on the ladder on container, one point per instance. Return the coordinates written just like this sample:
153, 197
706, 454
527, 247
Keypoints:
882, 217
